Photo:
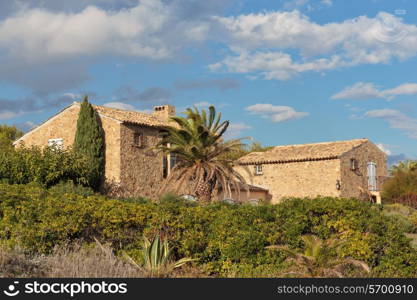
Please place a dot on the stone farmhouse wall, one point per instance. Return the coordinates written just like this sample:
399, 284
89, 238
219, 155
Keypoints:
141, 167
64, 126
352, 181
295, 179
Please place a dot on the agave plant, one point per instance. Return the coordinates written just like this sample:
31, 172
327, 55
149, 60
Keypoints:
158, 258
316, 259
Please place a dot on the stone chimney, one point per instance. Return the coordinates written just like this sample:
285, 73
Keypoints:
164, 112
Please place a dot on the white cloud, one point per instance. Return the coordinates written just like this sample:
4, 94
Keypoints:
359, 90
131, 32
259, 42
384, 148
119, 105
397, 120
37, 44
403, 89
275, 113
368, 90
236, 129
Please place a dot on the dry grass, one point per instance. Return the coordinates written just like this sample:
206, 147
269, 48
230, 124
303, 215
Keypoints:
97, 261
78, 261
14, 263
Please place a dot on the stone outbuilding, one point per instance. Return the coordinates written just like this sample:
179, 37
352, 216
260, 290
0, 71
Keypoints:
353, 168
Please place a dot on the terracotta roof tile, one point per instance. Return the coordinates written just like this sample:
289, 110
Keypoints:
129, 116
303, 152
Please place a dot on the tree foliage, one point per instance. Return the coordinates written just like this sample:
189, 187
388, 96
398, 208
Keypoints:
89, 142
401, 187
203, 165
319, 258
8, 134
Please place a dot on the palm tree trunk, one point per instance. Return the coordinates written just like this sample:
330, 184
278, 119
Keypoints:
204, 192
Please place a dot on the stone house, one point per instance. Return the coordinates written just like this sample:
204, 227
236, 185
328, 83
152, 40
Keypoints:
132, 167
353, 168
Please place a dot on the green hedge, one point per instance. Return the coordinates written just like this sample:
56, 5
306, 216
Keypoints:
46, 167
227, 240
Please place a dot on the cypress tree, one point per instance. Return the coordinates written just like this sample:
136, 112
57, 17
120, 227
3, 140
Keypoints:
89, 142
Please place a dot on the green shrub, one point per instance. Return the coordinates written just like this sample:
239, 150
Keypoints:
47, 167
70, 187
227, 240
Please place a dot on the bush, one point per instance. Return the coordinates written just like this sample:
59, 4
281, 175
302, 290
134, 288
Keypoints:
227, 240
46, 167
70, 187
401, 188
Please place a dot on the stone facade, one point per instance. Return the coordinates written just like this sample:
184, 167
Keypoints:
141, 166
311, 173
354, 182
295, 179
130, 169
64, 125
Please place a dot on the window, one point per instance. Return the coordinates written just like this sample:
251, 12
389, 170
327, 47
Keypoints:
371, 176
138, 139
165, 166
172, 161
56, 143
353, 164
258, 170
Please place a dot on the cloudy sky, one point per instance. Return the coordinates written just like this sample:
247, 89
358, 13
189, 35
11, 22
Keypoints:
284, 72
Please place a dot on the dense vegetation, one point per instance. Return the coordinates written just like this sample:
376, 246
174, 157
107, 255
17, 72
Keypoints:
225, 240
8, 134
46, 167
89, 142
401, 187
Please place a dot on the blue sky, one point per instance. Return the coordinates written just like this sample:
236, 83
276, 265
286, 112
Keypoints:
284, 72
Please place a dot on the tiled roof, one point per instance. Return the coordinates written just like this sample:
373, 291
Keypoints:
304, 152
128, 116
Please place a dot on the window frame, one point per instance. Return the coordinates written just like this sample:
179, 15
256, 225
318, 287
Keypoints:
259, 169
138, 139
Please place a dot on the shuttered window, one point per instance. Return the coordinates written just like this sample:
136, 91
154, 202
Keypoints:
258, 170
372, 176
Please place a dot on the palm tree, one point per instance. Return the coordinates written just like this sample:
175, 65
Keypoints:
202, 165
317, 259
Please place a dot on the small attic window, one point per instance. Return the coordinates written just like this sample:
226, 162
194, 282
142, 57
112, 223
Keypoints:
354, 164
56, 143
138, 140
258, 170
